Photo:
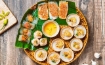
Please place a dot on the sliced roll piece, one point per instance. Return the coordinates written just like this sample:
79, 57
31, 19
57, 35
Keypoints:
28, 25
23, 38
30, 18
53, 10
25, 31
63, 9
37, 34
35, 42
43, 11
43, 41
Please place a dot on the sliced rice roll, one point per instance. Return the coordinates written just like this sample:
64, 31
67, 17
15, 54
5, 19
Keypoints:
25, 31
30, 18
43, 11
53, 10
23, 38
28, 25
63, 9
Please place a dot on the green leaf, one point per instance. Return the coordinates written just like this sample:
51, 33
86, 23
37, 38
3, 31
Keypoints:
19, 45
61, 21
77, 34
53, 61
72, 7
35, 13
7, 13
26, 46
2, 16
3, 12
5, 22
46, 48
32, 47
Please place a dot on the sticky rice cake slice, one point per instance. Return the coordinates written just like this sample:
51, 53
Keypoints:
43, 11
53, 10
63, 9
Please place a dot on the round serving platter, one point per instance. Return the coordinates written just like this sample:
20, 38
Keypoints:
83, 22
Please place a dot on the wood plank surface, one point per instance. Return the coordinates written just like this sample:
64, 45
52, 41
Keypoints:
94, 11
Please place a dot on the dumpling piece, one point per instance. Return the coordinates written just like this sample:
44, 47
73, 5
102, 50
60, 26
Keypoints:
53, 10
66, 33
43, 41
79, 31
67, 55
63, 9
37, 34
35, 42
57, 44
40, 54
25, 31
23, 38
30, 18
43, 11
28, 25
53, 58
73, 20
76, 44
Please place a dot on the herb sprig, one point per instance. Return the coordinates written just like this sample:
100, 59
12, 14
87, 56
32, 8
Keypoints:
3, 15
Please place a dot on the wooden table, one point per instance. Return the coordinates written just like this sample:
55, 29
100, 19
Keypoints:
94, 11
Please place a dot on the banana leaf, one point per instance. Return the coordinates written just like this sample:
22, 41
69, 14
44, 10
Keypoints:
38, 26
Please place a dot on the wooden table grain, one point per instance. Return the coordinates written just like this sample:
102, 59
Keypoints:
94, 11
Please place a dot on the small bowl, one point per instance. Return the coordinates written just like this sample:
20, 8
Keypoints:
82, 28
55, 42
50, 29
50, 61
73, 16
42, 51
69, 58
73, 46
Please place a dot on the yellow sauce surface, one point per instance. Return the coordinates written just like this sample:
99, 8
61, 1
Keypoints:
50, 28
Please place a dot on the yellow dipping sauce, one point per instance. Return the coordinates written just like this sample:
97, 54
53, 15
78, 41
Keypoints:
50, 28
